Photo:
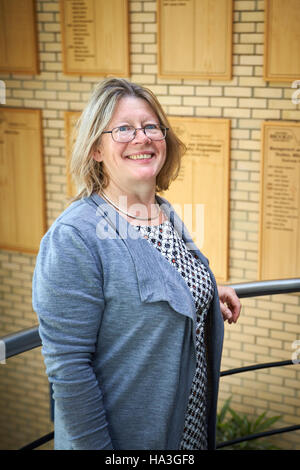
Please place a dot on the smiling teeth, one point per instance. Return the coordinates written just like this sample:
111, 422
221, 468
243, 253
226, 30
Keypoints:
139, 157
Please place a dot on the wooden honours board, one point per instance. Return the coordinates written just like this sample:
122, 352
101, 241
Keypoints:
71, 118
195, 38
18, 45
200, 193
95, 37
22, 204
280, 201
282, 35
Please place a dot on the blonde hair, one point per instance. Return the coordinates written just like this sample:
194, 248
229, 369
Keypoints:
88, 174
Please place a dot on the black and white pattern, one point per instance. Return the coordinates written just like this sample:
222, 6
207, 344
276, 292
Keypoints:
165, 238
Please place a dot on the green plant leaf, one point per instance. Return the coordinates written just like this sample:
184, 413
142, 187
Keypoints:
232, 425
267, 423
224, 410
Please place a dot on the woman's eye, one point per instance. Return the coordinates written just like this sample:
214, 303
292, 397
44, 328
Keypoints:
124, 128
151, 126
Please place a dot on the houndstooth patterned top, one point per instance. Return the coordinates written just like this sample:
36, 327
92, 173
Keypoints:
165, 238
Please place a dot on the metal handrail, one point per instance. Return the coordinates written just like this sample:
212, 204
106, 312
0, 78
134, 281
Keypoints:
28, 339
259, 288
21, 341
266, 365
251, 437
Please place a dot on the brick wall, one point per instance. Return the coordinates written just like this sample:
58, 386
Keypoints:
268, 325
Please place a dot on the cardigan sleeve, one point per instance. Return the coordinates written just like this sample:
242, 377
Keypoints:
69, 302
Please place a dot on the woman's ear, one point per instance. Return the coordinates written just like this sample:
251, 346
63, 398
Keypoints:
97, 155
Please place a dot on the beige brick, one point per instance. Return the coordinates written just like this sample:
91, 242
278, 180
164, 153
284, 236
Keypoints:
283, 335
52, 27
266, 114
244, 5
181, 90
181, 110
252, 103
248, 165
285, 316
268, 92
32, 84
237, 91
22, 93
150, 48
142, 17
150, 69
224, 102
250, 38
195, 101
150, 28
243, 49
143, 38
294, 115
253, 17
208, 112
250, 123
237, 113
208, 91
50, 6
251, 82
135, 6
244, 28
281, 104
18, 103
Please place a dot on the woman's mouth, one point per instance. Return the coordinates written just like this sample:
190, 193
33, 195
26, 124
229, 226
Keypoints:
141, 156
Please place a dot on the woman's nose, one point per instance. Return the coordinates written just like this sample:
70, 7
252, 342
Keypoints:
140, 135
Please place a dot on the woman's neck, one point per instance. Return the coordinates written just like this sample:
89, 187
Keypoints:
138, 206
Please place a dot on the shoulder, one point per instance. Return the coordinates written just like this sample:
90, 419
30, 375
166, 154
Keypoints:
79, 214
75, 226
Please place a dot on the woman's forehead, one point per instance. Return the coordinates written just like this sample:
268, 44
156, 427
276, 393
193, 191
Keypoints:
132, 107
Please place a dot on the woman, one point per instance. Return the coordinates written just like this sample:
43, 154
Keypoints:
129, 311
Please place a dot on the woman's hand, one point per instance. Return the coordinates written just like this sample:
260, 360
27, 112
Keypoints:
230, 304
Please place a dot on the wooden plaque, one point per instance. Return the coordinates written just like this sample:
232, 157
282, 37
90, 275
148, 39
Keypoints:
200, 193
22, 197
279, 256
95, 37
71, 117
195, 39
282, 58
18, 42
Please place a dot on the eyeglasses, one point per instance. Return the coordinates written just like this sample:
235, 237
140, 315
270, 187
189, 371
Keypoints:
128, 133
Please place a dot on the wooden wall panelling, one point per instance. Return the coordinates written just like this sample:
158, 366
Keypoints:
195, 39
18, 37
279, 251
282, 36
22, 196
95, 37
201, 191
